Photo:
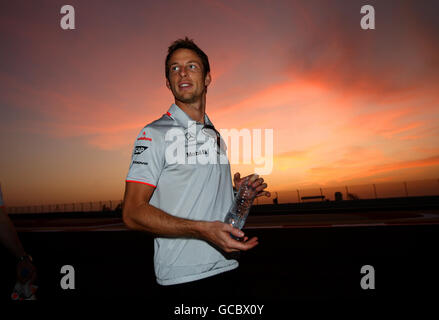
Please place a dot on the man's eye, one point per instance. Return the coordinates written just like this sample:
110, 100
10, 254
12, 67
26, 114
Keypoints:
174, 68
192, 66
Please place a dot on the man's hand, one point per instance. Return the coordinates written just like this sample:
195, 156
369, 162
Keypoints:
138, 215
255, 180
26, 271
218, 233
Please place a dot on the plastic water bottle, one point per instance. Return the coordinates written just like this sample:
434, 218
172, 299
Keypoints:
240, 208
24, 291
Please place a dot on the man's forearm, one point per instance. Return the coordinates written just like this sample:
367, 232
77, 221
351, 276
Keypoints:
151, 219
8, 235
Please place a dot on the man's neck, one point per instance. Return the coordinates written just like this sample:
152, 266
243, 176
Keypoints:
194, 110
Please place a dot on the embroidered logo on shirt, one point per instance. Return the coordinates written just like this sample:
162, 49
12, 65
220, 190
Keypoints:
139, 149
196, 153
143, 137
189, 136
140, 162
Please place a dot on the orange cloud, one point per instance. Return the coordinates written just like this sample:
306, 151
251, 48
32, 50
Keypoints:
340, 173
392, 132
431, 161
291, 159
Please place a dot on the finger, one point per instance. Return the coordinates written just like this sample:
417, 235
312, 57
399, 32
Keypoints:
234, 245
261, 187
253, 242
237, 176
264, 193
34, 276
245, 239
253, 178
242, 245
257, 182
235, 231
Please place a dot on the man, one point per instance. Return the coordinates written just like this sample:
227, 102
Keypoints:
184, 203
25, 270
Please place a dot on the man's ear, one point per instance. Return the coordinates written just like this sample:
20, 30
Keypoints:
207, 79
168, 85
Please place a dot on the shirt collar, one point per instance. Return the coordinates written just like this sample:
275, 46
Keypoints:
182, 118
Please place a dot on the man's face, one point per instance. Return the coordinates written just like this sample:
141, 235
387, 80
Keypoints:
186, 80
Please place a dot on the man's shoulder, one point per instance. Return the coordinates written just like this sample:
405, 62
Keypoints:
160, 126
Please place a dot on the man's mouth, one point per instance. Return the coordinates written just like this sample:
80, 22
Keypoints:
185, 85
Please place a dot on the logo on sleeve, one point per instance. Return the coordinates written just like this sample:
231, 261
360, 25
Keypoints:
140, 162
143, 137
139, 149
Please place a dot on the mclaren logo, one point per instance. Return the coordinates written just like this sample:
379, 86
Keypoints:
143, 137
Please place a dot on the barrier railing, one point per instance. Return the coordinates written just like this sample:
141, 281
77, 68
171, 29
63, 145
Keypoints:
93, 206
353, 192
367, 191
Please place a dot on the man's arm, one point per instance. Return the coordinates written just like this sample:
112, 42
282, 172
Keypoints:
9, 238
8, 235
139, 215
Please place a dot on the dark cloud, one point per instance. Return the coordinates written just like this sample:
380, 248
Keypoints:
400, 54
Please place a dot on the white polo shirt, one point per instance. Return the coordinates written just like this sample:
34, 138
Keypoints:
172, 155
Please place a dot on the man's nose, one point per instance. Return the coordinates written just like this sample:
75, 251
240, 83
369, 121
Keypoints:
183, 72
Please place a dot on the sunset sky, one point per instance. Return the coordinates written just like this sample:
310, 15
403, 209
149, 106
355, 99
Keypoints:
347, 106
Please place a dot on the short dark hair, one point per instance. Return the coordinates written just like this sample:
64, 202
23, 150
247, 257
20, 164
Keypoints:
187, 43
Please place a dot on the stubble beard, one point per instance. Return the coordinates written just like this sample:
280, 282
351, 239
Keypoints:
188, 98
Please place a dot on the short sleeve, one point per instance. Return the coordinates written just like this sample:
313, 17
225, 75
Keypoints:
147, 159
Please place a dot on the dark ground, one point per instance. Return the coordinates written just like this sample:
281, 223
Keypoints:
288, 264
303, 257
